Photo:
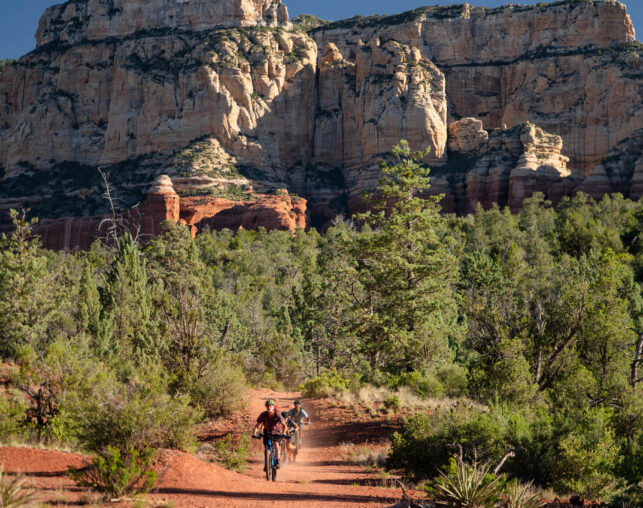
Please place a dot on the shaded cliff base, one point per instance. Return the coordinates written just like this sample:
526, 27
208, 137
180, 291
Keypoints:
208, 189
162, 205
505, 166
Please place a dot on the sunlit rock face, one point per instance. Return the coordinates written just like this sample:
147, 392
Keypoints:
231, 99
96, 20
509, 166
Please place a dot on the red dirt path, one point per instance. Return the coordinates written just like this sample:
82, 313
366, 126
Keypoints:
321, 476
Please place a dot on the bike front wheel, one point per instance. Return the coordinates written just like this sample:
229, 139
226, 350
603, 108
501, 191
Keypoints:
268, 464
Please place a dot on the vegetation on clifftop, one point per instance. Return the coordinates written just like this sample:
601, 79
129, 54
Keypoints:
6, 63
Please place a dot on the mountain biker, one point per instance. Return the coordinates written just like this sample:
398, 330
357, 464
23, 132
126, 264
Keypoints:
290, 442
274, 425
298, 414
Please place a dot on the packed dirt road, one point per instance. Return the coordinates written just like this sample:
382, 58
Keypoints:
322, 476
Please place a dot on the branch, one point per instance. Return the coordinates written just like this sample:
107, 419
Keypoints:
510, 453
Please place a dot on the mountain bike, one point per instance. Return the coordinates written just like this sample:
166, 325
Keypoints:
270, 461
298, 441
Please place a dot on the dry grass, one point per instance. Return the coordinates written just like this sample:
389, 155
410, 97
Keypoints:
364, 455
378, 400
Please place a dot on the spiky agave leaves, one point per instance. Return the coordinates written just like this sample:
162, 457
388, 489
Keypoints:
12, 493
466, 486
521, 495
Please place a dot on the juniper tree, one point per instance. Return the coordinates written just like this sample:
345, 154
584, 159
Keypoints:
398, 282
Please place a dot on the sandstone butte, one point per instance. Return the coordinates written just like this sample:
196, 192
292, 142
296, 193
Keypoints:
238, 106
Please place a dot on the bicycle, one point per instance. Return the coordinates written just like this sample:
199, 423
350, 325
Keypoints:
270, 461
298, 442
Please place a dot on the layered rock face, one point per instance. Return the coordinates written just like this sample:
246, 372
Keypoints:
163, 204
504, 167
547, 64
231, 100
380, 93
96, 20
621, 172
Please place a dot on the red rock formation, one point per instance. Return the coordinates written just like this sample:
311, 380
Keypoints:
69, 233
270, 212
279, 212
162, 204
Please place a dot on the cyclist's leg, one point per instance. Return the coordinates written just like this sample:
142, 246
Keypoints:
276, 445
266, 455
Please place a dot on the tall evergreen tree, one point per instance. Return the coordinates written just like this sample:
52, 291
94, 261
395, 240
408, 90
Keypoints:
127, 301
401, 271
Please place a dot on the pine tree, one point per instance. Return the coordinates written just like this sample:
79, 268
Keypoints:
127, 301
28, 291
399, 282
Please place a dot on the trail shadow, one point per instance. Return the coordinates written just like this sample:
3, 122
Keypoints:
37, 474
355, 433
272, 496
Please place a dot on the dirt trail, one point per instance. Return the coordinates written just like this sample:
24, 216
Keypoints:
321, 476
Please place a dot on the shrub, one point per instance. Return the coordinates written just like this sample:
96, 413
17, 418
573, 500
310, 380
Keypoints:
220, 391
464, 485
138, 415
12, 493
454, 379
12, 414
588, 457
117, 474
234, 455
327, 384
393, 402
428, 441
422, 384
268, 380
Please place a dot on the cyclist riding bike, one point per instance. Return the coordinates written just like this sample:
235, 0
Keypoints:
274, 426
290, 444
299, 414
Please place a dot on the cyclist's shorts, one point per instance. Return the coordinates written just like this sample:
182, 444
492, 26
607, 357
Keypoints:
275, 439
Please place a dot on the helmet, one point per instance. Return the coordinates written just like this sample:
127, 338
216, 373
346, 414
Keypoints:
270, 402
298, 403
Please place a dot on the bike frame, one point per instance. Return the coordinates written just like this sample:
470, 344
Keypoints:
269, 459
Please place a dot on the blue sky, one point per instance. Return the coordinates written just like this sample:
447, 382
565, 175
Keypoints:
19, 18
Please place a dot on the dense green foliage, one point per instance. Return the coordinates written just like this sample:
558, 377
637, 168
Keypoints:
531, 319
117, 475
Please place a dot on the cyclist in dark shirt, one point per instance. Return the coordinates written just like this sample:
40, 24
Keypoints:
274, 426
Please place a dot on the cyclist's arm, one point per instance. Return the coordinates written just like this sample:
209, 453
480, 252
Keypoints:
305, 415
258, 424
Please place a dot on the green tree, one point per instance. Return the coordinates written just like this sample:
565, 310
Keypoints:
127, 301
402, 266
197, 322
30, 295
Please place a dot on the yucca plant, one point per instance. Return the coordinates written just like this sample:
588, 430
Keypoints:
466, 486
12, 493
521, 495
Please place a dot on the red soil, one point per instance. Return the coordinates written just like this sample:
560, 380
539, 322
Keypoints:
321, 476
